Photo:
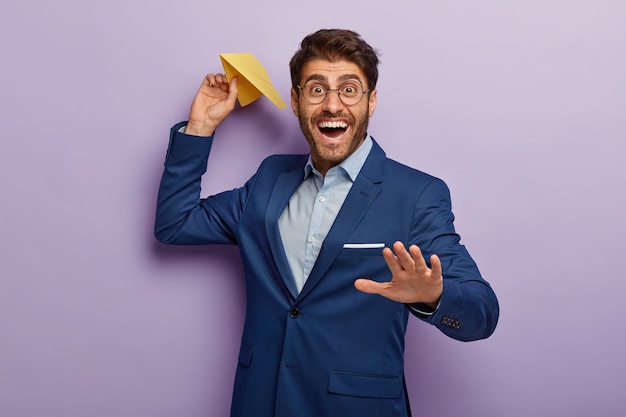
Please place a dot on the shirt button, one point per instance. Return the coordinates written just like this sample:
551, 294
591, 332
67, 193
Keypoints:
294, 312
322, 198
311, 239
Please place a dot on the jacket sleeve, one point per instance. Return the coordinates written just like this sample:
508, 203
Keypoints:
468, 309
182, 217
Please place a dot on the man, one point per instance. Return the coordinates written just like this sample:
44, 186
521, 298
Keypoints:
327, 306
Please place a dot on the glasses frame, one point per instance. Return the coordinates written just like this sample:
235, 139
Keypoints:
338, 90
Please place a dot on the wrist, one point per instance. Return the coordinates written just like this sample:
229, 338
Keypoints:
199, 129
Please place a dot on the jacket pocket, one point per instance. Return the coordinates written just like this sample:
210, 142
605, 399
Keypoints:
364, 385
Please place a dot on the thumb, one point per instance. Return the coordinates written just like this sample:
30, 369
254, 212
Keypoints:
233, 90
368, 286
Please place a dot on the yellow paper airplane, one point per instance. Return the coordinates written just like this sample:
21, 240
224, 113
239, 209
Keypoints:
253, 78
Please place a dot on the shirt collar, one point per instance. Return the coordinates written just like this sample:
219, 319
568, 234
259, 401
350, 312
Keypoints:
352, 165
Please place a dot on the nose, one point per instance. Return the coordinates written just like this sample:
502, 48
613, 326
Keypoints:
333, 103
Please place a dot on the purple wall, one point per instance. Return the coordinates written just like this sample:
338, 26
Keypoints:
521, 109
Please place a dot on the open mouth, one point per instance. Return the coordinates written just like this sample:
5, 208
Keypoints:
332, 129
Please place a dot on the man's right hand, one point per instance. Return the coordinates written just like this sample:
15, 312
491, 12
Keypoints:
214, 101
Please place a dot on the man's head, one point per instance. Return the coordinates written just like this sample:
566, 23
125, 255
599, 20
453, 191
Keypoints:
334, 77
334, 45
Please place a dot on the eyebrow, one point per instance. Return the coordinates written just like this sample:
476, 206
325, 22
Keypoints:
342, 78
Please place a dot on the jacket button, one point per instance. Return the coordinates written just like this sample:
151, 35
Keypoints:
294, 312
451, 322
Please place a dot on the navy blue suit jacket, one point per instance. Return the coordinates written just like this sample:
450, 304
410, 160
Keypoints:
330, 350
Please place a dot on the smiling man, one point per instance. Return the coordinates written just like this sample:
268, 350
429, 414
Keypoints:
338, 246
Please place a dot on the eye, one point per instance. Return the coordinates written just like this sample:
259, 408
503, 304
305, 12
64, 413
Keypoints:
317, 90
349, 90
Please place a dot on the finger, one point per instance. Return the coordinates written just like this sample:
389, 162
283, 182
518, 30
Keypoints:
205, 81
222, 81
404, 257
216, 80
209, 80
232, 91
435, 265
234, 86
418, 258
369, 286
392, 261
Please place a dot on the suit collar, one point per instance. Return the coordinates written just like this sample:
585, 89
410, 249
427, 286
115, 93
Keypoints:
374, 164
352, 165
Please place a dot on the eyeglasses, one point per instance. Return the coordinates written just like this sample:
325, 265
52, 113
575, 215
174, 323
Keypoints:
350, 92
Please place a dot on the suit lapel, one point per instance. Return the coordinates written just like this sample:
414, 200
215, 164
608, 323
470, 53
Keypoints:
363, 192
285, 186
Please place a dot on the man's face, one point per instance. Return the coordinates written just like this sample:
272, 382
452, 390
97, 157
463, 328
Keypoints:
333, 129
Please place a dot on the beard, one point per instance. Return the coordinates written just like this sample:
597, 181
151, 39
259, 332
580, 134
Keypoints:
327, 155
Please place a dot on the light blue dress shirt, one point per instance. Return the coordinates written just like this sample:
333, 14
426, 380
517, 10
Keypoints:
312, 209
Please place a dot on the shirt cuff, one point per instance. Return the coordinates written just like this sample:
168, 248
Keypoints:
422, 310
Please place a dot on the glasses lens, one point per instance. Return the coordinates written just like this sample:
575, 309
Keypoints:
314, 92
350, 93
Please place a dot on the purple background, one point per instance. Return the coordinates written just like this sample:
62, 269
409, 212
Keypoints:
519, 106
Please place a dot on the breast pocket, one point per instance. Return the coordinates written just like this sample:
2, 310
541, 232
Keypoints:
362, 250
362, 262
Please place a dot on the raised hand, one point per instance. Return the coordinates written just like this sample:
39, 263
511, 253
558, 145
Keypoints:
214, 101
411, 279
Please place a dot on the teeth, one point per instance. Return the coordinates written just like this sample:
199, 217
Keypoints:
333, 125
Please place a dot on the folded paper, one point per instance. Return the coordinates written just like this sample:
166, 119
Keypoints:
253, 80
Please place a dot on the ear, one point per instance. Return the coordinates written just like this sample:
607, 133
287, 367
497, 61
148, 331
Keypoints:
294, 102
372, 102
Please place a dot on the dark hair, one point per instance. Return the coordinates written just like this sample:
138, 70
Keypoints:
335, 45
